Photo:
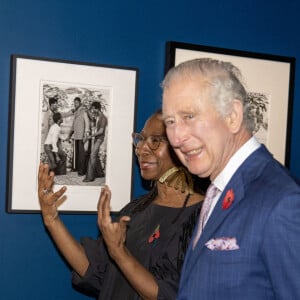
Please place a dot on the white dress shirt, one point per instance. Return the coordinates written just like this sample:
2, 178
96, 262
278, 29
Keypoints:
233, 164
53, 136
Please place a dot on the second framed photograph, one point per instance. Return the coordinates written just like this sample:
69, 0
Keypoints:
78, 117
269, 80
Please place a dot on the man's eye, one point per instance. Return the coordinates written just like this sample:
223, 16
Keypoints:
169, 122
188, 117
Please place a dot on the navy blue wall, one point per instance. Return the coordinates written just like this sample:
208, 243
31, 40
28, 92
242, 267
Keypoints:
125, 33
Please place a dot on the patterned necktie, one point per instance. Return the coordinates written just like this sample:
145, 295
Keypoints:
210, 195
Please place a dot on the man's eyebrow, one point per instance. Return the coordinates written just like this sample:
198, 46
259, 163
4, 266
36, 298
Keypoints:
164, 117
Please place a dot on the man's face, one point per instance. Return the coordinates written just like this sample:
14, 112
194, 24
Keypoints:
54, 106
77, 104
198, 134
95, 111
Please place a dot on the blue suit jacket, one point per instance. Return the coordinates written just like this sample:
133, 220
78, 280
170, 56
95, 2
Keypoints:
265, 219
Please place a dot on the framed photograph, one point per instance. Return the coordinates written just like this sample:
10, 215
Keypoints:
269, 81
78, 117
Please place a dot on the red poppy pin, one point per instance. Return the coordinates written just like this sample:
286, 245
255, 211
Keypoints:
228, 199
155, 235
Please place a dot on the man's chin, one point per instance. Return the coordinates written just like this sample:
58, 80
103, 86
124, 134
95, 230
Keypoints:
197, 171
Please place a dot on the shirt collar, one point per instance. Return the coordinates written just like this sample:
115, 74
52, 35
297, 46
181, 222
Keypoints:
235, 162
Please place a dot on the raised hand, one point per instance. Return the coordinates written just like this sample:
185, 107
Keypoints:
114, 233
49, 201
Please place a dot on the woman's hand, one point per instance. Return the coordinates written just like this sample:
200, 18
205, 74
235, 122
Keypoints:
114, 233
49, 201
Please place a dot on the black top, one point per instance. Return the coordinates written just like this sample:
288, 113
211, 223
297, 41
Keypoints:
154, 240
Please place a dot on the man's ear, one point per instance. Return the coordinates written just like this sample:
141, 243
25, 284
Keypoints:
235, 118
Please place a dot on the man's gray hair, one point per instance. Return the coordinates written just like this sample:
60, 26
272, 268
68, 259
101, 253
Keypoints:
223, 78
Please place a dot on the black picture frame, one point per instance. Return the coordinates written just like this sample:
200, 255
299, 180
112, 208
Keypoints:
270, 80
33, 81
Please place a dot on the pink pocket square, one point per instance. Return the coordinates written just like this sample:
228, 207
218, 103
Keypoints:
222, 244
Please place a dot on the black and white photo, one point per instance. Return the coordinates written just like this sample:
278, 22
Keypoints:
78, 117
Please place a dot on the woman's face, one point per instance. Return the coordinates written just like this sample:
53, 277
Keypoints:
154, 163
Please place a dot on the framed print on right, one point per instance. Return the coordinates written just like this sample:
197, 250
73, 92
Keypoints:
269, 80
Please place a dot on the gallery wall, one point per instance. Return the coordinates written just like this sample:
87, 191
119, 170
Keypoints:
123, 33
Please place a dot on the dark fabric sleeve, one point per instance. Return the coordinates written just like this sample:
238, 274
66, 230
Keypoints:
167, 278
167, 268
91, 283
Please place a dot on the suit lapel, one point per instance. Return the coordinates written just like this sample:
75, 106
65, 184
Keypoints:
248, 171
215, 220
219, 214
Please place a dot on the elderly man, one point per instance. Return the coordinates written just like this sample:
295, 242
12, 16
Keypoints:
247, 241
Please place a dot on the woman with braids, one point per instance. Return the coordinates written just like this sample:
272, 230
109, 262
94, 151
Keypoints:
140, 254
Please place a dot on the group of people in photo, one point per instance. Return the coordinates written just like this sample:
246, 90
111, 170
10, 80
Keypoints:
236, 239
86, 135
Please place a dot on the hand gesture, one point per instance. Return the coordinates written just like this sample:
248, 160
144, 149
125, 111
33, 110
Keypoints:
114, 233
49, 201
